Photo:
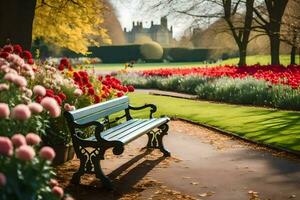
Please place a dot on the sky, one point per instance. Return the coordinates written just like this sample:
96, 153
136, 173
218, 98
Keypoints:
129, 11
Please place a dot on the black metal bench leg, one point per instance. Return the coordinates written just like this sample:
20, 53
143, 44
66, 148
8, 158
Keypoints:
76, 176
155, 139
100, 174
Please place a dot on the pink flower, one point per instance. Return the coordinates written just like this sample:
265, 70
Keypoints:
39, 90
4, 110
35, 107
4, 86
2, 179
18, 140
6, 146
58, 191
47, 153
78, 92
25, 153
21, 112
33, 139
10, 77
20, 81
68, 107
53, 182
52, 106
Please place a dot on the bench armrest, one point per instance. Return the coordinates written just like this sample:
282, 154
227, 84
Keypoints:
152, 110
98, 130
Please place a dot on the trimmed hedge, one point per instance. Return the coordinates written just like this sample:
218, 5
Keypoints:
116, 54
186, 54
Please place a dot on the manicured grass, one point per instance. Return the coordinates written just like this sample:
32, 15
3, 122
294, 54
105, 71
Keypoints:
262, 59
143, 66
278, 128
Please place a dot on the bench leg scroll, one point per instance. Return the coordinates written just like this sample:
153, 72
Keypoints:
155, 139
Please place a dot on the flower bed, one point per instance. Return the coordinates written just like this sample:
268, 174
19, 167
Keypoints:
275, 74
33, 95
247, 90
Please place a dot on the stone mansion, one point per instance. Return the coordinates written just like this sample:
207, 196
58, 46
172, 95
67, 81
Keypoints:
157, 32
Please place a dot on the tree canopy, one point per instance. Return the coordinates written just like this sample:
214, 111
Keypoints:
73, 24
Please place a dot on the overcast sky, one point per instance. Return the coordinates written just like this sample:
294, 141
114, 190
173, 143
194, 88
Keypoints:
128, 11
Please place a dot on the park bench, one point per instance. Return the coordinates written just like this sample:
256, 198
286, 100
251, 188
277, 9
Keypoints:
91, 150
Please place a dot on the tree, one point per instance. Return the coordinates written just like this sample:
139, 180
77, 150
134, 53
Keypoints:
238, 15
74, 24
290, 33
71, 24
241, 31
16, 18
269, 19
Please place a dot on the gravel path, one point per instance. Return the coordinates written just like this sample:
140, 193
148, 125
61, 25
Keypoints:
205, 165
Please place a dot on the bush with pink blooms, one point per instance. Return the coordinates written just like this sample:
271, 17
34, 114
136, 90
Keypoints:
18, 110
25, 170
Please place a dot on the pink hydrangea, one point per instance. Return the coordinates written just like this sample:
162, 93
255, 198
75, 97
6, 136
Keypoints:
4, 86
2, 179
6, 146
35, 107
25, 153
20, 81
4, 110
77, 92
68, 107
58, 191
18, 140
33, 139
21, 112
10, 77
39, 90
52, 106
47, 153
27, 67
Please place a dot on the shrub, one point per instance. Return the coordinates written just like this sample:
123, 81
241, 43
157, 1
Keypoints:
24, 175
151, 51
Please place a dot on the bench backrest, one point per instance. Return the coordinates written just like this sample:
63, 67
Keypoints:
99, 110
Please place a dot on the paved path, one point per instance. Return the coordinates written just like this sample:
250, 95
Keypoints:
205, 165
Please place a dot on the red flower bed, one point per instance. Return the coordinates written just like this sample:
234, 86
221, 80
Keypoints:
276, 74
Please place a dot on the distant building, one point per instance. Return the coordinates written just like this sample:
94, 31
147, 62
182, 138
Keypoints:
157, 32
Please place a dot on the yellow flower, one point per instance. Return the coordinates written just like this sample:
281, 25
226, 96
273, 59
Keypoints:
69, 74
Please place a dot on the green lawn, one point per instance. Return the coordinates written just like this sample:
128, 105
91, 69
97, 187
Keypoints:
262, 59
278, 128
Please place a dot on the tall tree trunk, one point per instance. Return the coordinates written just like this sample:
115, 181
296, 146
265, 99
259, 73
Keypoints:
275, 49
240, 35
242, 55
293, 55
275, 10
16, 18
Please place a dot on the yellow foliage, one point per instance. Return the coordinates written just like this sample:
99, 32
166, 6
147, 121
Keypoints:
71, 24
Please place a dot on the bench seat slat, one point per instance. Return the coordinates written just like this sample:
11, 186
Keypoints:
137, 133
134, 130
127, 129
115, 128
